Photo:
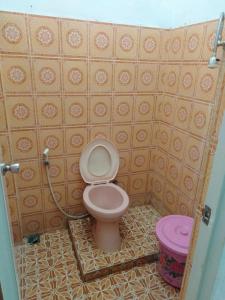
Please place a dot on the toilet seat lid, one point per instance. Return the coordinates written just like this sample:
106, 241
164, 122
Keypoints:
99, 162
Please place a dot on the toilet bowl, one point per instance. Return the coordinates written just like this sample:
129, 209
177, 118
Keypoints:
104, 200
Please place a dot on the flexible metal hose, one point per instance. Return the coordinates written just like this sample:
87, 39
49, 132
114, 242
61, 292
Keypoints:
75, 217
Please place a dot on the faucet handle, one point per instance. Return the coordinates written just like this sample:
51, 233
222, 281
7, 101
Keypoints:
14, 168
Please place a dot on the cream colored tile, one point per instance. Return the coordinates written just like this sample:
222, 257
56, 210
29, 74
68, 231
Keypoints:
13, 37
100, 109
46, 75
76, 139
49, 110
101, 40
75, 76
149, 44
30, 201
74, 37
75, 110
126, 42
53, 140
100, 77
20, 110
44, 35
144, 107
124, 77
142, 134
122, 109
140, 160
122, 136
16, 75
24, 144
147, 77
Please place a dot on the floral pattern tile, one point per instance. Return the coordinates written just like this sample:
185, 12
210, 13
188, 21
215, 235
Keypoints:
49, 270
139, 244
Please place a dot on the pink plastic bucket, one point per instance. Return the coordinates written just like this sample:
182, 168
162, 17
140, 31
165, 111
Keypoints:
174, 234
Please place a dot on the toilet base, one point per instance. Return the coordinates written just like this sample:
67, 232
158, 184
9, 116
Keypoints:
107, 235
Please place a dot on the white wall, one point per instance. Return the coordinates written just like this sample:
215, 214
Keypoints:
156, 13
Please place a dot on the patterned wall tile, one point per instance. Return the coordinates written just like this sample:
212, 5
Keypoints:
169, 78
16, 233
13, 37
24, 144
187, 80
194, 42
207, 83
165, 108
123, 182
126, 42
100, 109
189, 182
124, 162
5, 148
44, 35
29, 175
165, 43
75, 110
100, 77
54, 220
194, 152
76, 139
122, 109
200, 119
20, 111
10, 184
178, 142
101, 40
102, 132
170, 198
16, 75
32, 224
124, 77
138, 183
60, 195
147, 77
122, 136
209, 40
174, 170
56, 171
140, 160
149, 44
144, 107
163, 136
74, 38
52, 139
75, 192
177, 37
185, 205
159, 161
142, 134
49, 110
13, 211
30, 201
72, 168
75, 76
46, 74
183, 113
3, 122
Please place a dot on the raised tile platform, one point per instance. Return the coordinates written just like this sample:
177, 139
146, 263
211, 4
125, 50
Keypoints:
139, 244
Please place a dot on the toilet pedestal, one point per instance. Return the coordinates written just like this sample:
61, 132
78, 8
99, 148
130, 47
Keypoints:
107, 235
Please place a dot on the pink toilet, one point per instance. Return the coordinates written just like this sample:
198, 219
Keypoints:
105, 201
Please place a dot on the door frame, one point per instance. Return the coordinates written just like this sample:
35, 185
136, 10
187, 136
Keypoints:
8, 274
211, 238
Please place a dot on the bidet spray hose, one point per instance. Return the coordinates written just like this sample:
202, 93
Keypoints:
47, 164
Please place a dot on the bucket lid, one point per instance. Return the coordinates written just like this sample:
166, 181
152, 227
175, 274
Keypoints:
174, 232
99, 162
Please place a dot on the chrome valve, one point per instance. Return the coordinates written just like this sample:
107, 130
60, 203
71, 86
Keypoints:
14, 168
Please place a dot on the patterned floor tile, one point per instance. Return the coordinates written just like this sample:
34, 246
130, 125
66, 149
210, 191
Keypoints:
61, 279
137, 229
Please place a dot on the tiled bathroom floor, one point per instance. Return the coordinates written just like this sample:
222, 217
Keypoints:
139, 244
49, 271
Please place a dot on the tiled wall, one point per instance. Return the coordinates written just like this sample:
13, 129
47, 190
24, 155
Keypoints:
66, 82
